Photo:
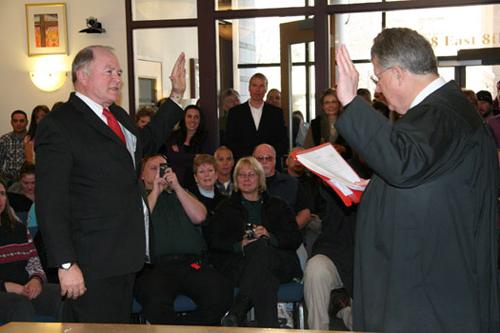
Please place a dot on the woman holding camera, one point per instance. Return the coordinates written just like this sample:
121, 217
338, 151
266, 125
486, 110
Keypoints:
253, 240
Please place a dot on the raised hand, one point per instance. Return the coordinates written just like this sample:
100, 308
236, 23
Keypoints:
178, 78
347, 82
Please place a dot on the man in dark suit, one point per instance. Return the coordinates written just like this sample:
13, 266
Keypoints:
91, 211
255, 122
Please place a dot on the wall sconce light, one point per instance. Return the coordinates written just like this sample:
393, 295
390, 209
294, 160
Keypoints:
48, 81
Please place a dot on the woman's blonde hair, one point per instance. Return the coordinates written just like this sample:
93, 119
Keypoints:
253, 164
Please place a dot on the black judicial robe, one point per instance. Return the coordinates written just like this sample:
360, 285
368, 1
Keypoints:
425, 256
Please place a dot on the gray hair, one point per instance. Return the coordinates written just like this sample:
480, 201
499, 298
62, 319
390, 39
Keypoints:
405, 48
85, 57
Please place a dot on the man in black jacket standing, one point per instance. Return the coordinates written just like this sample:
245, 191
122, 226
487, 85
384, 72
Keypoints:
255, 122
91, 210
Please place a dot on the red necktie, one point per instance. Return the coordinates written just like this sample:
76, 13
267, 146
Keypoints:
113, 124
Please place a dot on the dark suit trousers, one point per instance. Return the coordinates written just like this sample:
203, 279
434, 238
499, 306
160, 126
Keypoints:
158, 286
107, 300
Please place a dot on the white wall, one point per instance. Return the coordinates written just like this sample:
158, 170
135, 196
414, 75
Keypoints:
16, 88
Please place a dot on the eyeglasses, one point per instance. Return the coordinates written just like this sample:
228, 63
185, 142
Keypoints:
247, 175
265, 158
376, 77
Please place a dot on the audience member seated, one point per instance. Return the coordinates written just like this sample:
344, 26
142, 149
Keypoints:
496, 104
485, 103
310, 184
382, 108
365, 93
471, 96
186, 141
22, 196
12, 147
253, 241
205, 175
323, 127
255, 122
299, 128
23, 292
50, 272
328, 277
274, 97
283, 185
228, 99
224, 162
179, 265
143, 115
57, 105
37, 115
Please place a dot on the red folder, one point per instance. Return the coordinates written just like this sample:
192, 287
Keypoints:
348, 200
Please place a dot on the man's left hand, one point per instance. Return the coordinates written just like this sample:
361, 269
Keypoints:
347, 83
178, 77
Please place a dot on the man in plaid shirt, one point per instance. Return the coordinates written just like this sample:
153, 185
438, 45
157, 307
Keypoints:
12, 148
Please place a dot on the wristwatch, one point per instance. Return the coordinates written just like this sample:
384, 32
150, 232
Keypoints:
66, 266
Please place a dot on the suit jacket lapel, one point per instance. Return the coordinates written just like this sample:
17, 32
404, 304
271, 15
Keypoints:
249, 116
93, 120
263, 121
123, 120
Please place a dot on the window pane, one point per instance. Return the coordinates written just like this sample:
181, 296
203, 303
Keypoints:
448, 29
249, 42
163, 9
258, 39
447, 73
454, 28
155, 52
482, 78
260, 4
357, 31
348, 2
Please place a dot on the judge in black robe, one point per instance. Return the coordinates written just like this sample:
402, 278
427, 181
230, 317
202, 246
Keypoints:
425, 256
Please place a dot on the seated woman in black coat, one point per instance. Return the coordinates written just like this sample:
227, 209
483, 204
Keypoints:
253, 241
23, 291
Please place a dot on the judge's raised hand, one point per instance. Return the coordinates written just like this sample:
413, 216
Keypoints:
178, 77
347, 83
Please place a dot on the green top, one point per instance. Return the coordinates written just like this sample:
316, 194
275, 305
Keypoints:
254, 210
173, 231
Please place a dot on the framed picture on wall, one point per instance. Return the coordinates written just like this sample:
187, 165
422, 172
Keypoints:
47, 30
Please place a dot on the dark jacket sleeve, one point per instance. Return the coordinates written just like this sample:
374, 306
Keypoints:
53, 168
413, 151
154, 134
232, 135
